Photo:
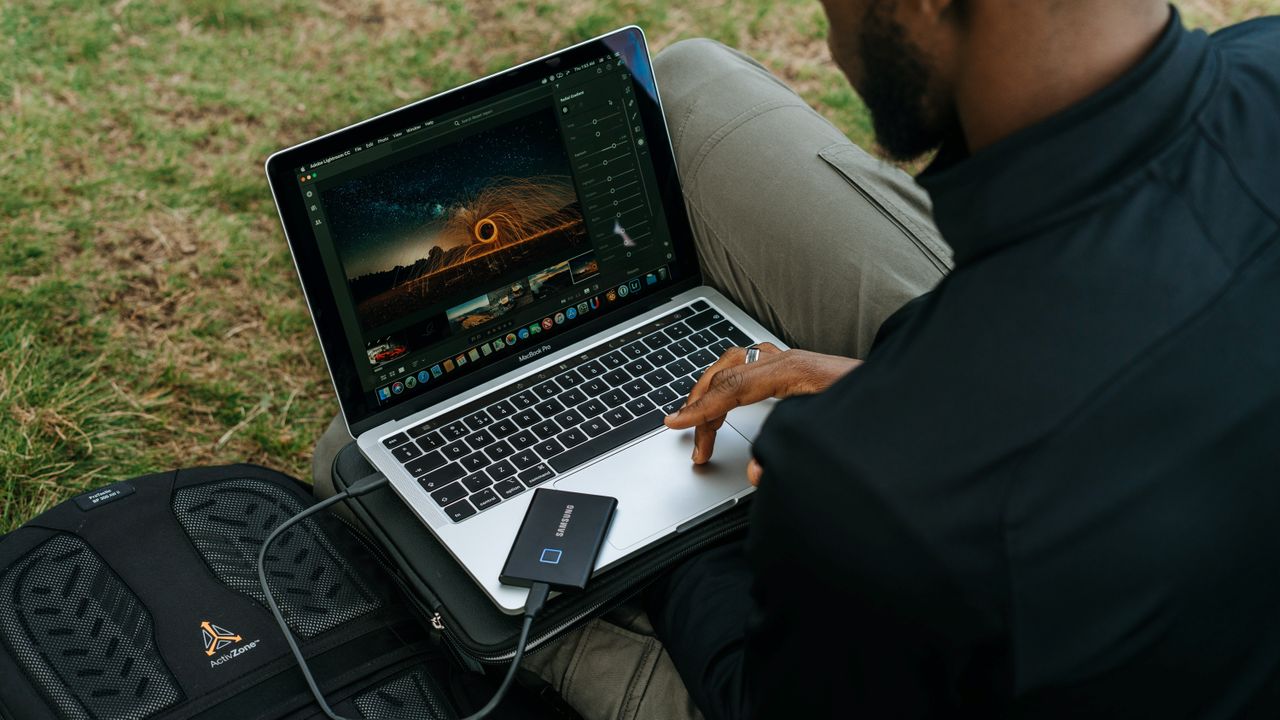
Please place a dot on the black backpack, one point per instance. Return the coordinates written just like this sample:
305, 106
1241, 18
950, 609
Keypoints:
140, 600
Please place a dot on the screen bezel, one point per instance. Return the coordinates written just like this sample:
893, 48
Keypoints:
358, 410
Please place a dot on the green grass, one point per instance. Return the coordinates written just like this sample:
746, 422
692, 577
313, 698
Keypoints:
149, 312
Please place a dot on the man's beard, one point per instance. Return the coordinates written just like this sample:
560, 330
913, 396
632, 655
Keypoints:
895, 85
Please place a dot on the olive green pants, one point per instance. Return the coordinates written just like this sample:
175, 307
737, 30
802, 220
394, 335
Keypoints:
809, 234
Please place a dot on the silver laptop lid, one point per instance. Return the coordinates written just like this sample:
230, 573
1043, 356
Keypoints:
443, 244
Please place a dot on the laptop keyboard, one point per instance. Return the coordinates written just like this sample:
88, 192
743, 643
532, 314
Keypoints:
521, 436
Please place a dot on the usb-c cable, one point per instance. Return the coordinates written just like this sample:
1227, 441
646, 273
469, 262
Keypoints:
538, 593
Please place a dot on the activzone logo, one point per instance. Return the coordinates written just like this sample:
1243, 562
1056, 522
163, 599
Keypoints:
216, 638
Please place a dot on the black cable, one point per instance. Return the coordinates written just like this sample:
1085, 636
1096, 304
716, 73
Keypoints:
532, 606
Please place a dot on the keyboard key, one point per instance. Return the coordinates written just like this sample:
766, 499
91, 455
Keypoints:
683, 385
703, 358
717, 348
682, 348
549, 448
455, 450
524, 399
499, 450
396, 440
591, 369
545, 429
594, 387
672, 406
663, 395
677, 331
501, 471
449, 494
636, 388
431, 441
574, 436
659, 377
594, 427
728, 331
460, 510
547, 390
661, 357
656, 340
440, 478
536, 475
503, 428
426, 463
603, 443
614, 360
699, 306
638, 367
522, 439
406, 452
572, 397
617, 416
703, 338
509, 488
635, 350
476, 482
477, 420
569, 418
524, 459
525, 418
501, 409
549, 408
617, 377
453, 431
569, 379
696, 374
614, 398
484, 499
474, 461
704, 320
591, 408
418, 431
680, 367
639, 406
478, 440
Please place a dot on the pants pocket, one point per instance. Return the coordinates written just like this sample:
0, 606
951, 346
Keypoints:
894, 194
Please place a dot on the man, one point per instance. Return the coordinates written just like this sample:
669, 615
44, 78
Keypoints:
1053, 486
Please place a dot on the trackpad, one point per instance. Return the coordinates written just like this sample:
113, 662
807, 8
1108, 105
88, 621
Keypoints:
657, 486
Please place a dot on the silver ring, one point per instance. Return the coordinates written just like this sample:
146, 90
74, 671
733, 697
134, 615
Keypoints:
753, 354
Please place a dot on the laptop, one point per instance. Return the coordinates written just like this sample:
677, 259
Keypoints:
505, 286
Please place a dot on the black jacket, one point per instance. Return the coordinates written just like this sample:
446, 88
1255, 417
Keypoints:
1054, 487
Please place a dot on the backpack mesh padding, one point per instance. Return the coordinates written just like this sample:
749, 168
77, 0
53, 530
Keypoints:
410, 696
227, 522
81, 635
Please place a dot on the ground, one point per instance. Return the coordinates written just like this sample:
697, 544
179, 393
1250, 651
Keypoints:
150, 316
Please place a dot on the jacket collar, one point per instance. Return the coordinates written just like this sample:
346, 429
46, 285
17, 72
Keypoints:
1027, 181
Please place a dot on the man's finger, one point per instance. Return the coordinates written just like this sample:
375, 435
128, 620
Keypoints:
704, 440
729, 389
729, 358
754, 471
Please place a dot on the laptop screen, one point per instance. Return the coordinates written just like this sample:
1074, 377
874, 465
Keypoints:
453, 243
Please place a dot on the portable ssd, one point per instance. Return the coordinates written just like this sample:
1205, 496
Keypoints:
559, 540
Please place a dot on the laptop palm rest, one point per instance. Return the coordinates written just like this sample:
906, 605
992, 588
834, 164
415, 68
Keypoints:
657, 486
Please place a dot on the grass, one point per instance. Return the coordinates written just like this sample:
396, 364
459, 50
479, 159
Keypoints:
149, 313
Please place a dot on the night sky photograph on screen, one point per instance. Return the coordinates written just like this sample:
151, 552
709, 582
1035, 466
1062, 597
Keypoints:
449, 224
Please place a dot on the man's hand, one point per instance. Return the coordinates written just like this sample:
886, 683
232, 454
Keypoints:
729, 383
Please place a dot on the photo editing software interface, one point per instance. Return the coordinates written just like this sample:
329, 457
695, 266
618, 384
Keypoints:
455, 243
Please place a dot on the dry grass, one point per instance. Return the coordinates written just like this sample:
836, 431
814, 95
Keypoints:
149, 313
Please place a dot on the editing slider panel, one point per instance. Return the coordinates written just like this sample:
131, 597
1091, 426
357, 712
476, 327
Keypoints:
606, 144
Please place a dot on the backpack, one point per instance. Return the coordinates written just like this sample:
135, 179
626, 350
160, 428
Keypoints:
140, 601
